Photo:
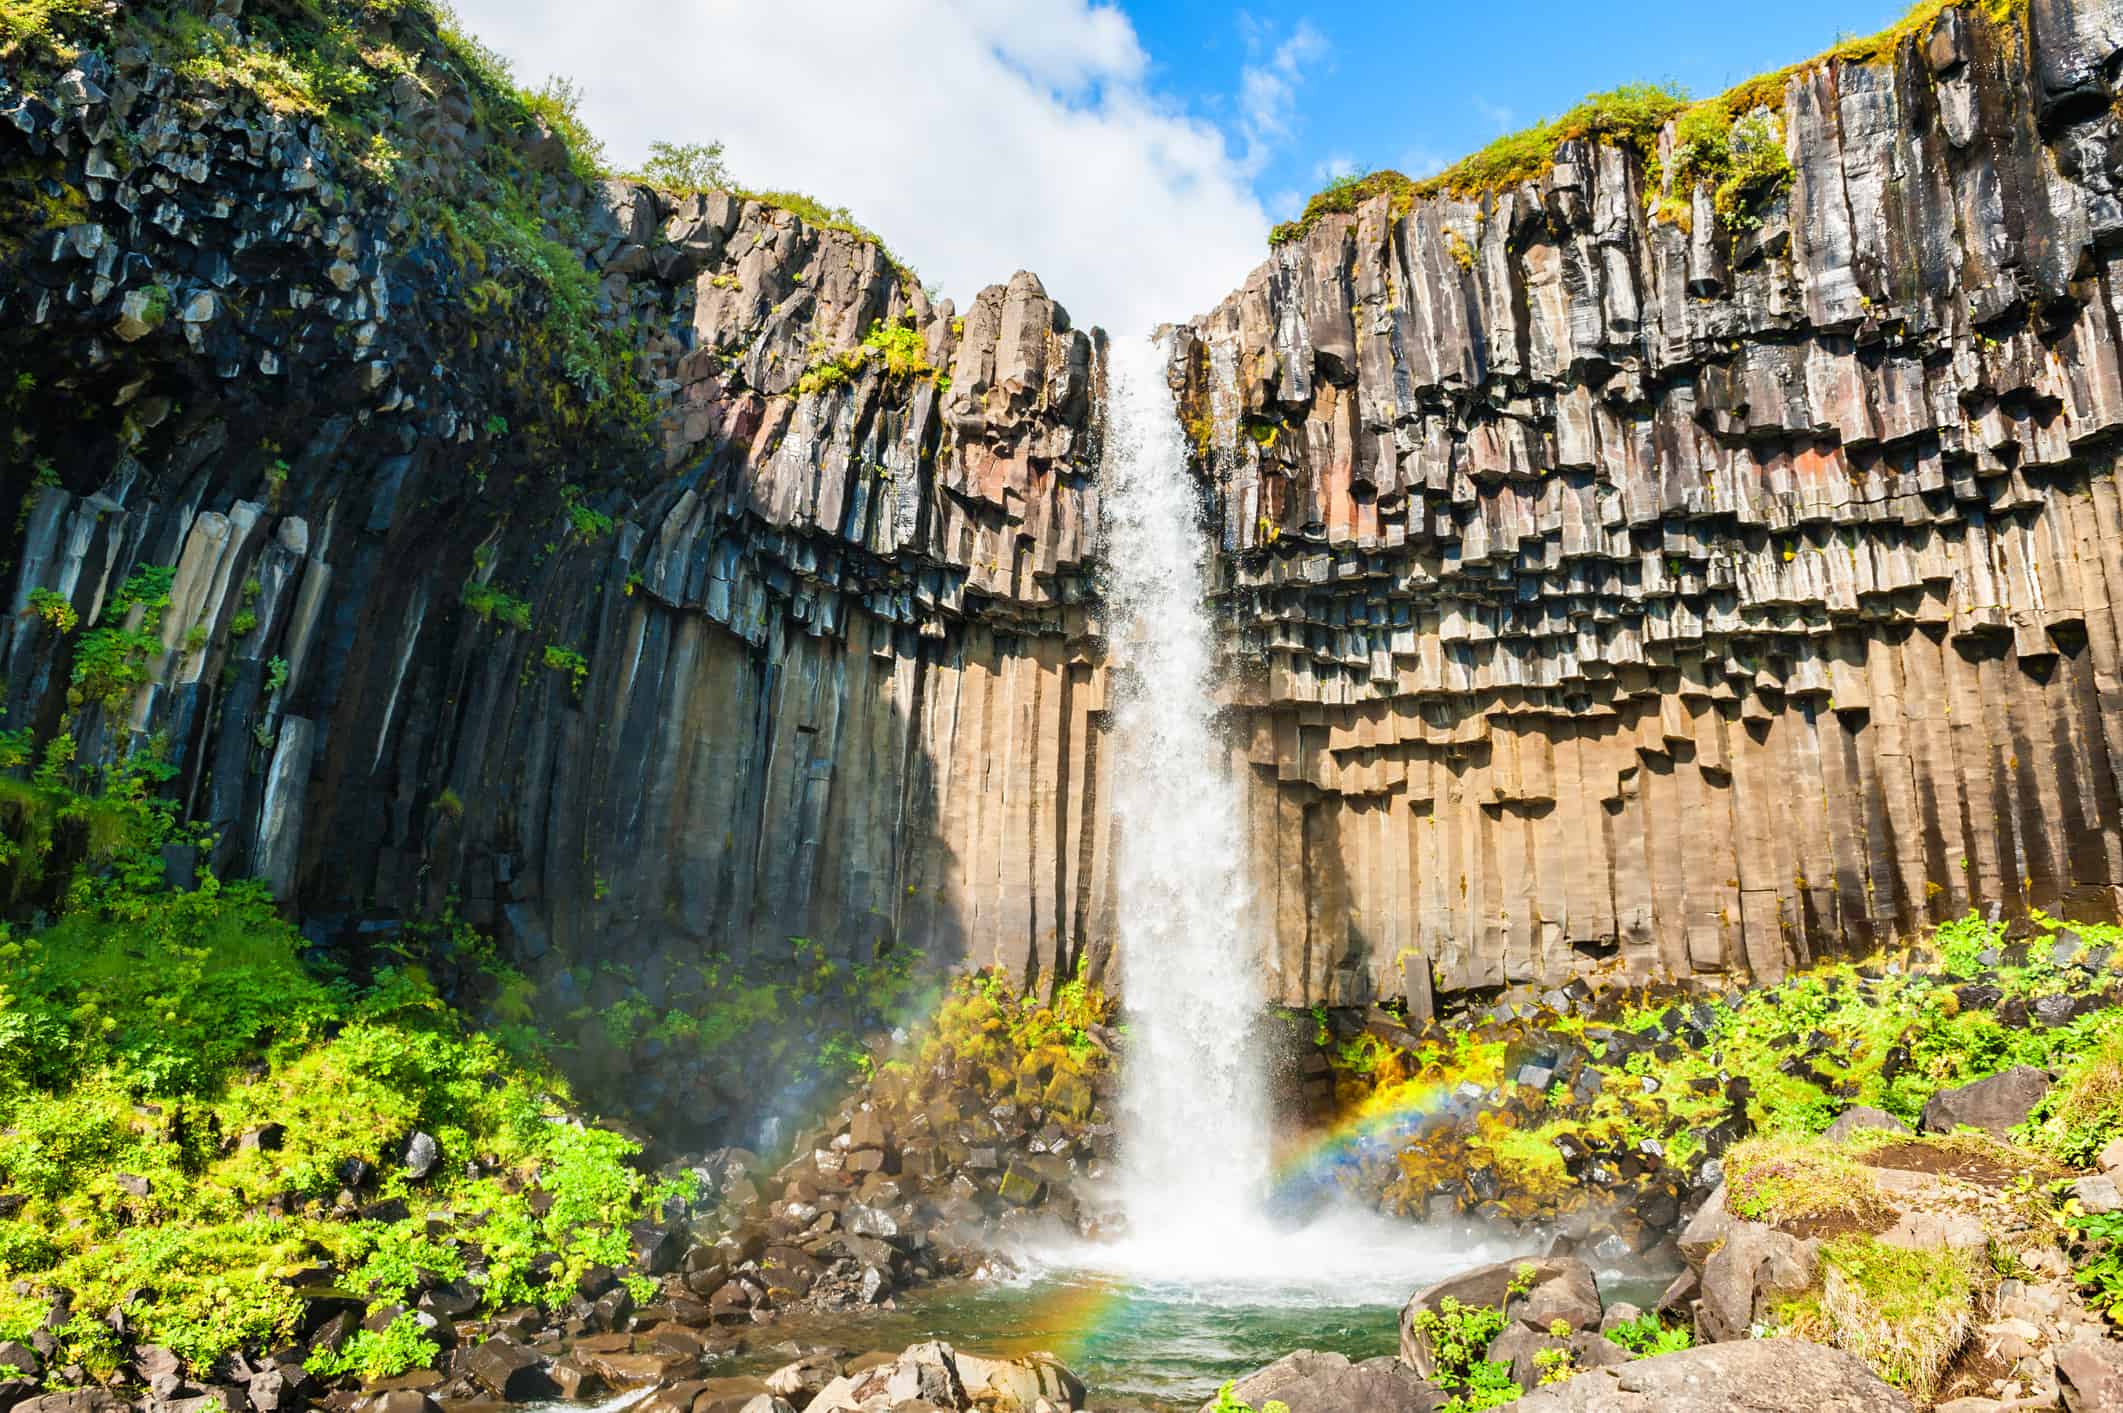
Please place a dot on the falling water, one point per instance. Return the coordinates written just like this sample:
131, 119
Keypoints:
1196, 1156
1195, 1113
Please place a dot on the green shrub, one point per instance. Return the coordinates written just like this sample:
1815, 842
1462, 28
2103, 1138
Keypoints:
1648, 1335
400, 1348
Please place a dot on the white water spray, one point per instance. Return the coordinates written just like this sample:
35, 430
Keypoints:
1195, 1112
1195, 1122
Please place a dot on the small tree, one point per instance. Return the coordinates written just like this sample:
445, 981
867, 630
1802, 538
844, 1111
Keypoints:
685, 166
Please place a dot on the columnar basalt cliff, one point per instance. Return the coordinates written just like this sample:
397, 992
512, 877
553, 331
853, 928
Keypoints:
650, 578
1685, 594
1618, 578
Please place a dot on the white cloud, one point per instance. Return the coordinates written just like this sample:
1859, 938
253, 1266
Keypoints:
1334, 168
978, 137
1495, 114
1267, 89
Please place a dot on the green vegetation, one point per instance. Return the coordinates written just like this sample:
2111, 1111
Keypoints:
1781, 1178
1459, 1337
1796, 1055
495, 606
401, 1347
685, 167
2097, 1238
569, 661
2083, 1112
1723, 140
1741, 158
182, 1096
1906, 1313
898, 348
690, 167
111, 660
1648, 1336
55, 609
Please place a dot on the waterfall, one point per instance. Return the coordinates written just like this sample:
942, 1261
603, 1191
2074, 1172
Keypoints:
1195, 1159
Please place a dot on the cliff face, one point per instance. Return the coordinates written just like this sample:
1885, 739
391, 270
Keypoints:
653, 579
1619, 588
728, 593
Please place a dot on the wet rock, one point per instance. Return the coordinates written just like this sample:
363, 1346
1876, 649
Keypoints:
1993, 1105
1329, 1383
508, 1370
932, 1373
801, 1380
1752, 1376
1492, 1286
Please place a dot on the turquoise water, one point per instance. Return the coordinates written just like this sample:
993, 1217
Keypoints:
1161, 1347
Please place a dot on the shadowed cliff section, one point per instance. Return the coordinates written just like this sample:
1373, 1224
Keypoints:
1629, 574
653, 578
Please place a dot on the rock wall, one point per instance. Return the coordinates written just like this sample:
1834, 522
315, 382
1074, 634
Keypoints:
637, 610
653, 579
1619, 591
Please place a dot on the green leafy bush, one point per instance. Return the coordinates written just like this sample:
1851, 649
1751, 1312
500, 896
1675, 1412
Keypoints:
148, 1030
401, 1347
1648, 1336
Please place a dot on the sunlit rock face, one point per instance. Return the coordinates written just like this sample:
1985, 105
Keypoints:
1620, 590
731, 592
1601, 591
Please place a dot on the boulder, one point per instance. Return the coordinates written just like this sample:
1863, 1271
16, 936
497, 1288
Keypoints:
1861, 1117
2090, 1375
509, 1371
1485, 1285
1750, 1376
1569, 1297
1711, 1224
1756, 1264
75, 1400
1310, 1381
800, 1382
1993, 1105
936, 1374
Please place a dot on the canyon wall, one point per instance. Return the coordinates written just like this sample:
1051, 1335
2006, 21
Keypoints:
731, 592
649, 579
1682, 596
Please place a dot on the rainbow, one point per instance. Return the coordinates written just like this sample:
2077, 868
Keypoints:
1379, 1126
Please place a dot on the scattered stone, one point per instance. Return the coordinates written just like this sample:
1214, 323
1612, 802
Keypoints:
1860, 1118
509, 1371
1312, 1382
1749, 1376
1993, 1105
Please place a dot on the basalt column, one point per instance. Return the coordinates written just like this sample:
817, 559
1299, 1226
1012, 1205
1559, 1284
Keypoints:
1682, 595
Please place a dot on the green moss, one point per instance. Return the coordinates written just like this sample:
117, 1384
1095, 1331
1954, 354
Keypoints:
897, 348
1343, 195
1742, 158
495, 606
1779, 1178
1906, 1313
570, 662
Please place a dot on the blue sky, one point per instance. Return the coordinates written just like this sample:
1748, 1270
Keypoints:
1416, 85
1133, 154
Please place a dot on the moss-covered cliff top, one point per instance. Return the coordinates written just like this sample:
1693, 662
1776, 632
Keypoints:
1631, 117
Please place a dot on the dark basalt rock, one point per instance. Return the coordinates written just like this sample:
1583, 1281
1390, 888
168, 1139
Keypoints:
1993, 1105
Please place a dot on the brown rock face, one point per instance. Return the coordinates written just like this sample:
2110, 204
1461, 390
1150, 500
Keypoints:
1618, 589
